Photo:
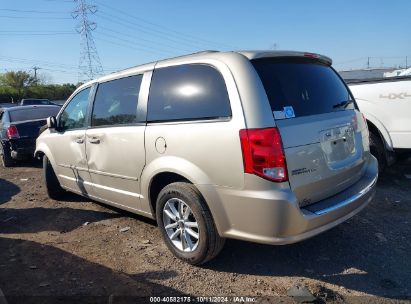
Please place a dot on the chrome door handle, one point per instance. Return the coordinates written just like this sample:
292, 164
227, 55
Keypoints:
79, 140
94, 140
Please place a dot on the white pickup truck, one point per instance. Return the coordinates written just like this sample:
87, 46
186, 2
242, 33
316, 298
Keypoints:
386, 104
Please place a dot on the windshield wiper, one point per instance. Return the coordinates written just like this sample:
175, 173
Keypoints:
342, 104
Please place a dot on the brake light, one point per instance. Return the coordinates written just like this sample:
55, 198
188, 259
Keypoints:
12, 132
366, 125
263, 153
310, 55
358, 125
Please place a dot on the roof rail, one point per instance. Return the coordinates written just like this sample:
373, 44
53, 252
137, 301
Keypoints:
169, 58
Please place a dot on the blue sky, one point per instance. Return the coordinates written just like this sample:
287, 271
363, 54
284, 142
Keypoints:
42, 32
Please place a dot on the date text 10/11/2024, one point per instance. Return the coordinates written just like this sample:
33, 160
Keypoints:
199, 299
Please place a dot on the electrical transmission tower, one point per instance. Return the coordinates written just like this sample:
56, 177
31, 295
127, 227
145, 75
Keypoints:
89, 63
35, 68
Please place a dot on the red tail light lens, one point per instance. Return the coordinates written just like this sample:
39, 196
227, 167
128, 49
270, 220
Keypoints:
12, 132
360, 125
263, 153
365, 121
310, 55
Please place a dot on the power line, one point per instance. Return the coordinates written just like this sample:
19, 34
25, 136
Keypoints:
35, 34
29, 31
126, 24
133, 44
198, 45
28, 68
46, 63
122, 45
89, 63
31, 62
30, 17
370, 59
32, 11
167, 30
137, 39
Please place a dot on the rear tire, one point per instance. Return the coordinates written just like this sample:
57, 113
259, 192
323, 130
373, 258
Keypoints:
378, 150
6, 159
208, 243
53, 188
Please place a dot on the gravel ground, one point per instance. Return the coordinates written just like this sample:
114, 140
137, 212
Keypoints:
74, 251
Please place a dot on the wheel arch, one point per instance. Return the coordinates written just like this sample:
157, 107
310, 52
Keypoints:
43, 149
375, 126
165, 170
158, 182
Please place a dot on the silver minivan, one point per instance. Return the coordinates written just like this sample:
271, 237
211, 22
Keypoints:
262, 146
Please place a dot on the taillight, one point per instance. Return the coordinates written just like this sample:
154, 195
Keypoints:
358, 125
263, 153
365, 121
366, 129
12, 132
310, 55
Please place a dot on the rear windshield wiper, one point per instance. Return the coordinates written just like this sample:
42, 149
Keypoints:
342, 104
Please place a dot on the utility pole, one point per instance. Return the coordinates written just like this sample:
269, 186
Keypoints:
35, 68
89, 63
406, 62
368, 63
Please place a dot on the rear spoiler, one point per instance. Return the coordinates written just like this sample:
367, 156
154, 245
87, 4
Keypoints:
267, 54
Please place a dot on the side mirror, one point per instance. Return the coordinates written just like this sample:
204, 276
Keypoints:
52, 122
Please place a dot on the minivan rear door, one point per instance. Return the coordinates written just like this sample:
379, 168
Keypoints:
324, 137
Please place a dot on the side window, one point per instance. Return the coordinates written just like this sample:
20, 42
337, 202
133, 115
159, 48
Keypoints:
74, 115
116, 102
187, 92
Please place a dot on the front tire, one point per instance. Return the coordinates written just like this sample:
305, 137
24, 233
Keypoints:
186, 224
53, 188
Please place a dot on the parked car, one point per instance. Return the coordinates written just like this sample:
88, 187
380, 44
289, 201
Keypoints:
386, 103
7, 105
19, 128
35, 101
59, 102
267, 147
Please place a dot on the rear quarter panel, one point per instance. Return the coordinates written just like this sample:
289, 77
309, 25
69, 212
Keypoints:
204, 152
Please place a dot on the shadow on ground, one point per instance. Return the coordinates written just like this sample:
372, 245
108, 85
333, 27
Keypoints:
7, 191
33, 220
31, 272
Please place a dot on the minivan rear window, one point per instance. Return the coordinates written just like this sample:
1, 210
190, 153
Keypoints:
33, 113
305, 86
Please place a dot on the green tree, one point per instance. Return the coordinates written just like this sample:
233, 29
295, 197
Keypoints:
18, 80
17, 85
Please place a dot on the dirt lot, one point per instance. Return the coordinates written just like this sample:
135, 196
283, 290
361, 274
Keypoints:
48, 250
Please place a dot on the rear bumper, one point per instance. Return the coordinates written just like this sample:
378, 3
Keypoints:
272, 216
22, 148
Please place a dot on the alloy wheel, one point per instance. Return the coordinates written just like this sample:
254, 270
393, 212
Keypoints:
180, 225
